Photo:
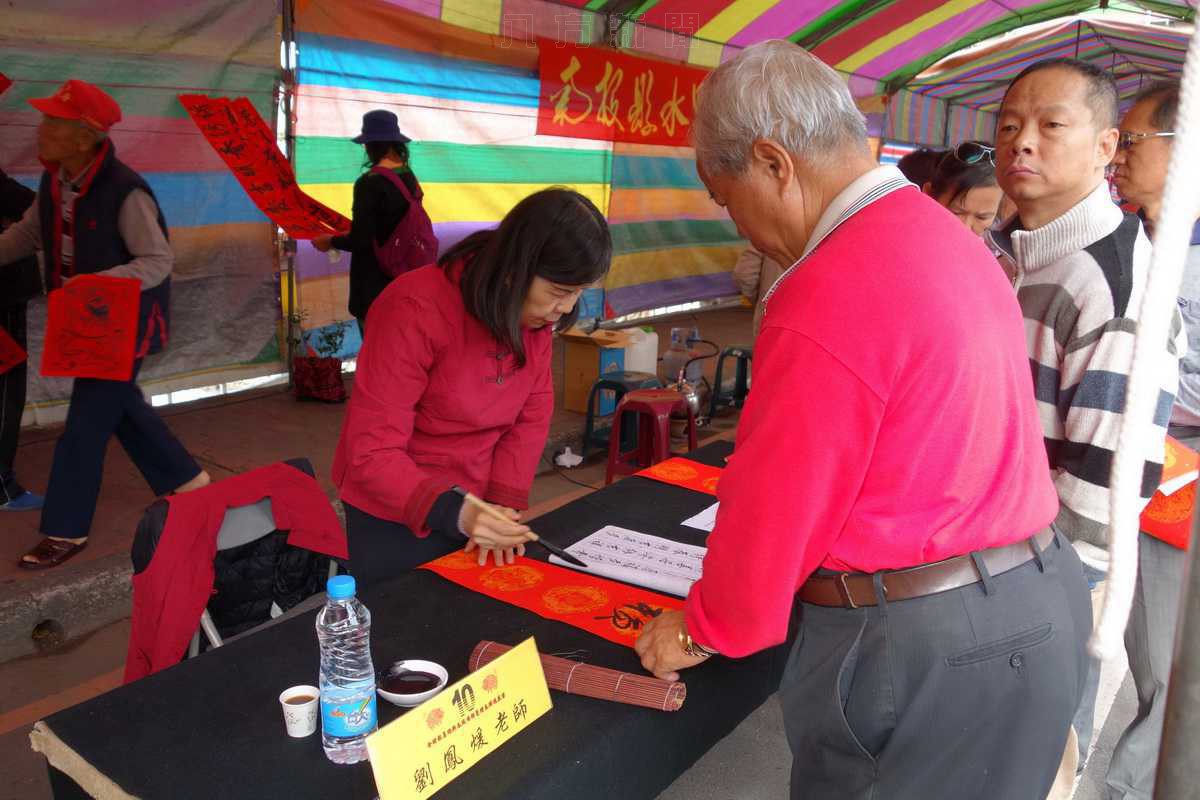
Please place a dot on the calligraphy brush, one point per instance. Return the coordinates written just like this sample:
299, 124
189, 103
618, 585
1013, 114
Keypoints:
488, 509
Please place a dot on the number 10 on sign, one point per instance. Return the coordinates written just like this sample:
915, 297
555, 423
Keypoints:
437, 741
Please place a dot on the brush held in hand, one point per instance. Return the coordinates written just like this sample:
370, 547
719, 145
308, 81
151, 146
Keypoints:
575, 677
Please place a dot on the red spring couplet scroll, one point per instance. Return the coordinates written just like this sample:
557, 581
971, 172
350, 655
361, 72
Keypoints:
244, 142
686, 473
1168, 517
11, 352
91, 328
611, 610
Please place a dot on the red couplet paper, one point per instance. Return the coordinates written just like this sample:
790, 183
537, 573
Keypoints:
597, 93
246, 144
91, 328
611, 610
11, 353
1168, 517
686, 473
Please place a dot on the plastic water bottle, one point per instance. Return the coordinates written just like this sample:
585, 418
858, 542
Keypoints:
347, 682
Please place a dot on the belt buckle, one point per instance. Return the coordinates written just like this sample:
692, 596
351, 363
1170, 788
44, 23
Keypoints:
846, 590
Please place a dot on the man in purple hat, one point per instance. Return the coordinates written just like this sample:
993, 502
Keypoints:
95, 215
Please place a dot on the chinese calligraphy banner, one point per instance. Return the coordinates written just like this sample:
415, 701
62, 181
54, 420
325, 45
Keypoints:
91, 328
594, 93
242, 139
611, 610
439, 740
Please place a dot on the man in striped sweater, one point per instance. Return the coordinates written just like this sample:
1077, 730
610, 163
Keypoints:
1080, 268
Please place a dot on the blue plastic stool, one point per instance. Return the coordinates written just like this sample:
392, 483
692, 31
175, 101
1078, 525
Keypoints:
619, 383
741, 380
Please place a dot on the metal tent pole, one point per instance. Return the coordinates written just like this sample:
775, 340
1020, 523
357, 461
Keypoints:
288, 64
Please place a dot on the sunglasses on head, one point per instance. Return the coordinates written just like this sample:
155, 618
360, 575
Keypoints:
974, 152
1129, 139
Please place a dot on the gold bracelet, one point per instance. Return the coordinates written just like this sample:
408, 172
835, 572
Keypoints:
692, 647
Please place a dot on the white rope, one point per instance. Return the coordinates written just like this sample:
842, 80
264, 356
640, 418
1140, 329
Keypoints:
1181, 203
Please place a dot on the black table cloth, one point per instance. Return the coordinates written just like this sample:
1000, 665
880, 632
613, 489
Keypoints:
211, 727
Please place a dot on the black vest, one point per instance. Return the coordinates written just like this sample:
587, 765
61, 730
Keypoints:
97, 237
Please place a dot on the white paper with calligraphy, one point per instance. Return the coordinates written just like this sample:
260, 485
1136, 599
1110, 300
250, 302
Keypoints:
639, 558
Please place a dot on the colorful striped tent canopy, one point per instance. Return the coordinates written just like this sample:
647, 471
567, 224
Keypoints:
225, 306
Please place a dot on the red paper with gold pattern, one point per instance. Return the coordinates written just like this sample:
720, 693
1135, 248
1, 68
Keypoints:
686, 473
1169, 517
612, 610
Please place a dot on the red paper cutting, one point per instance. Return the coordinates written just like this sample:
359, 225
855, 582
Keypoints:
11, 353
611, 610
686, 473
91, 328
242, 139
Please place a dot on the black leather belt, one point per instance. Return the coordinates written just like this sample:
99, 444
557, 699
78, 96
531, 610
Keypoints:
856, 589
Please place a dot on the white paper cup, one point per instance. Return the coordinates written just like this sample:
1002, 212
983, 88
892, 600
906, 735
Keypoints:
300, 717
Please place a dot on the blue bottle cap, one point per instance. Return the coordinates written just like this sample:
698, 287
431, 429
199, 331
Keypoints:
340, 587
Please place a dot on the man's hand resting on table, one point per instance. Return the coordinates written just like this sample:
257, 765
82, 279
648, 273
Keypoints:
505, 541
659, 648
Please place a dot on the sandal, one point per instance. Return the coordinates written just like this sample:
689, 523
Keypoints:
50, 553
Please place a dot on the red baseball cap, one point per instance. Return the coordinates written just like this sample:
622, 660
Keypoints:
83, 101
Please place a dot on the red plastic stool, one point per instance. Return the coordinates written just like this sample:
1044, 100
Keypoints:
653, 408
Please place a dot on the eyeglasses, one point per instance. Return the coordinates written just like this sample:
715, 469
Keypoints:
974, 152
1129, 139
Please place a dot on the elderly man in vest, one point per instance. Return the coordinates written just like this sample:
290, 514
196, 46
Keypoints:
94, 215
889, 471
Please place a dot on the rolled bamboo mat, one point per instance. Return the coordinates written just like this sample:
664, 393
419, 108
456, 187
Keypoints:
575, 677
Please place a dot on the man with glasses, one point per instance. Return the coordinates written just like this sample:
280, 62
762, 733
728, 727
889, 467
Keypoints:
1143, 155
1080, 268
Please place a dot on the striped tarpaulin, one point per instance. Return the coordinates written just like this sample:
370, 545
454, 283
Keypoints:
469, 102
225, 305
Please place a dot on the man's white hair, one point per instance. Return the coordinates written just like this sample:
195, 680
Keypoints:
774, 90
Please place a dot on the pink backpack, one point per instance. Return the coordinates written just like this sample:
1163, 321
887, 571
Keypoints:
412, 244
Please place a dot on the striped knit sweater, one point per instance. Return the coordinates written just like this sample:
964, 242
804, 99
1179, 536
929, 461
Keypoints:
1080, 281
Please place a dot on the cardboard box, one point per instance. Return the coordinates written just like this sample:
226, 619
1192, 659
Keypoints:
587, 357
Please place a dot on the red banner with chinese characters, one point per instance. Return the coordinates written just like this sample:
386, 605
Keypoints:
611, 610
11, 353
246, 144
595, 93
91, 328
686, 473
1168, 516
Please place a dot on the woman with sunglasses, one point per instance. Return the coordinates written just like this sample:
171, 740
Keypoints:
453, 390
965, 183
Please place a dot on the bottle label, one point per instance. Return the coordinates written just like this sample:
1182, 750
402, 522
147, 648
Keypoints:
348, 716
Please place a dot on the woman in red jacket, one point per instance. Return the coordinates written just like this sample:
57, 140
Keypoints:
454, 389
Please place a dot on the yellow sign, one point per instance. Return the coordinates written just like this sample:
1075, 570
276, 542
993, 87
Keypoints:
440, 739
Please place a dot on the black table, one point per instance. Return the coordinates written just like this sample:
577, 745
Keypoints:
211, 726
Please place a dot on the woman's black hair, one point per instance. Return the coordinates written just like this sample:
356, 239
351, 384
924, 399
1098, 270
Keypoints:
377, 151
954, 177
555, 234
918, 165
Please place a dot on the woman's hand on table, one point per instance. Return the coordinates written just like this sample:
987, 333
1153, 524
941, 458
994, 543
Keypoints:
505, 540
658, 647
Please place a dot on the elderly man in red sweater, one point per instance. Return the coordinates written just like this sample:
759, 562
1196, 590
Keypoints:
889, 472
